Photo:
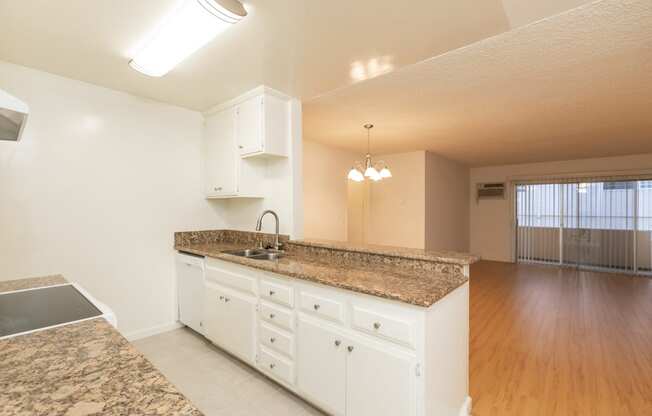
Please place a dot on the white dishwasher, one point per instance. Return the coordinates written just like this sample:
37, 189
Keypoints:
190, 290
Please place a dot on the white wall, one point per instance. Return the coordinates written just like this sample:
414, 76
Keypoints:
491, 220
447, 204
95, 191
325, 190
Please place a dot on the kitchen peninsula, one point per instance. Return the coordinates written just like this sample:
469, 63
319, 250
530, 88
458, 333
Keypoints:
355, 330
83, 368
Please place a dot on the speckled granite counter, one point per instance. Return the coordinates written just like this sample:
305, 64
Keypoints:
407, 279
80, 369
32, 282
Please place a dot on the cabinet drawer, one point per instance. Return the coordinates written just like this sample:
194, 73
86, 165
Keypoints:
275, 365
277, 292
227, 278
277, 315
383, 326
322, 307
277, 340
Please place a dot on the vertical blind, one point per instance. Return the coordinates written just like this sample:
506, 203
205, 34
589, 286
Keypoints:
600, 224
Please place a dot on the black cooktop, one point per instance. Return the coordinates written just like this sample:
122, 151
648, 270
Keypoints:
39, 308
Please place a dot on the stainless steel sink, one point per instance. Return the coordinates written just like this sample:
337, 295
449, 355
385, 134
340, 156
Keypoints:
256, 253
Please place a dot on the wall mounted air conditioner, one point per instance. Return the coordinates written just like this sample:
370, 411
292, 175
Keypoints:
490, 191
13, 116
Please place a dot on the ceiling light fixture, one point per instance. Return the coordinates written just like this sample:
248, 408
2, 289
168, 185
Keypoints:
375, 172
192, 25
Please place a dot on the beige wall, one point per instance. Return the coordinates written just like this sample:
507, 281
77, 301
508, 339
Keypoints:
397, 206
325, 191
447, 204
491, 220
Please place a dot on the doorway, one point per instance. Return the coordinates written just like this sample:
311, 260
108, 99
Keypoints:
603, 225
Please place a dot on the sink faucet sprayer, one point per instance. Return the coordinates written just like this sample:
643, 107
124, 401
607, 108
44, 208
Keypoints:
259, 226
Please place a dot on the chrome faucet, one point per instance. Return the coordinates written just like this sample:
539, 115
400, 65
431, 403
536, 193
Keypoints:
259, 226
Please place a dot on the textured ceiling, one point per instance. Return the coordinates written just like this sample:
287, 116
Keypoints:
302, 47
575, 85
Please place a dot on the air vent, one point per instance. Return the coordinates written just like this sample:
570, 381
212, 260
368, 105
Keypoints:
490, 191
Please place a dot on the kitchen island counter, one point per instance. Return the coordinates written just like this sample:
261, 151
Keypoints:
85, 368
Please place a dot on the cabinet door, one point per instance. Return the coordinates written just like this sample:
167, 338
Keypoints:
213, 320
249, 126
321, 367
239, 315
190, 292
219, 158
379, 382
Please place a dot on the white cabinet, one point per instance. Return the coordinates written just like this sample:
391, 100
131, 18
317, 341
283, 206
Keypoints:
347, 353
262, 126
321, 366
220, 159
379, 381
237, 138
345, 375
230, 321
226, 174
190, 290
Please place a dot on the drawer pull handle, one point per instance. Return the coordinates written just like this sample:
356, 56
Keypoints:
316, 306
350, 348
271, 316
217, 188
272, 293
337, 342
272, 340
272, 366
376, 325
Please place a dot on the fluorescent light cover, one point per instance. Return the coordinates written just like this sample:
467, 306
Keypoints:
192, 25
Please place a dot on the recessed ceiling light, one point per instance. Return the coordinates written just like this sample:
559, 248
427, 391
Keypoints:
192, 25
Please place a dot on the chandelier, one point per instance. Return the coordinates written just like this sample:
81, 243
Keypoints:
374, 171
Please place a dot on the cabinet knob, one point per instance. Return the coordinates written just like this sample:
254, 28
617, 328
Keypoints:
221, 297
226, 299
271, 293
271, 316
376, 325
272, 366
239, 147
272, 340
350, 348
337, 342
316, 306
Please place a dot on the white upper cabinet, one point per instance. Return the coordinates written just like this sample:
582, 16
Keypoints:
219, 156
262, 126
238, 137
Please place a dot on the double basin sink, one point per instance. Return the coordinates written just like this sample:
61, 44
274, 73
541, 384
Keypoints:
256, 253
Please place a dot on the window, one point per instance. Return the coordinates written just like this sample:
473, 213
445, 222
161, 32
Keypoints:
613, 186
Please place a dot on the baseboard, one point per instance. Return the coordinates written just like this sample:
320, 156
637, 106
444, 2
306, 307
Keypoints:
148, 332
466, 407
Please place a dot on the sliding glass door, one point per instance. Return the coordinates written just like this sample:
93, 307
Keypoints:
602, 225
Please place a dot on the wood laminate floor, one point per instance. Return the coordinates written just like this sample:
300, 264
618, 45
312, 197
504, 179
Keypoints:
554, 341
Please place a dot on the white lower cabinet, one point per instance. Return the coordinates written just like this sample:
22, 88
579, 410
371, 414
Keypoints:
190, 289
379, 382
345, 376
230, 321
321, 366
348, 354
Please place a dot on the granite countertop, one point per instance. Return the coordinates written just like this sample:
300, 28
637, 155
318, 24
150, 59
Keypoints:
31, 282
422, 286
80, 369
403, 252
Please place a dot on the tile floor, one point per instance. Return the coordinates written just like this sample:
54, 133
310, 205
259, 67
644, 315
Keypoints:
215, 382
